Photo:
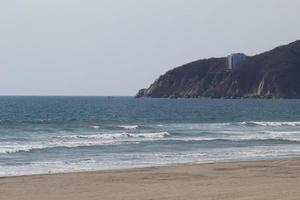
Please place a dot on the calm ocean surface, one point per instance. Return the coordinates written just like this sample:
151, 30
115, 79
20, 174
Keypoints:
63, 134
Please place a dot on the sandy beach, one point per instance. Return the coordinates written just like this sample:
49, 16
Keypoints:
276, 179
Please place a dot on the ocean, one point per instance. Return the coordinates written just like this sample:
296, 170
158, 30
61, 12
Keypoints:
68, 134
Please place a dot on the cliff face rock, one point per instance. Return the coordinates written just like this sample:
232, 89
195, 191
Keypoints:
273, 74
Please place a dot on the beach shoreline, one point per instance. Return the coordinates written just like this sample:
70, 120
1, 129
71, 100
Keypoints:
262, 179
130, 168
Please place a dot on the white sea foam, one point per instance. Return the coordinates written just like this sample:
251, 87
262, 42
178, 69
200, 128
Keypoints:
275, 123
116, 136
283, 135
286, 136
13, 148
47, 167
200, 126
72, 141
26, 147
293, 136
129, 127
143, 159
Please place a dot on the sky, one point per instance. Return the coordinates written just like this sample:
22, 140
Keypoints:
116, 47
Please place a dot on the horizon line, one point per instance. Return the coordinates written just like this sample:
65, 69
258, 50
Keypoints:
67, 95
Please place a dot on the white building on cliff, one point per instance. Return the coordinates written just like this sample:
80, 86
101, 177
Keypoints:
234, 60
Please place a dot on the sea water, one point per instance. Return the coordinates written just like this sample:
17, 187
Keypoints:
66, 134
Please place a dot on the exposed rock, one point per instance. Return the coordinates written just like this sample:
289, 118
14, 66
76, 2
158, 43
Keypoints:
273, 74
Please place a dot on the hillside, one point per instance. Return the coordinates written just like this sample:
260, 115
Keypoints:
273, 74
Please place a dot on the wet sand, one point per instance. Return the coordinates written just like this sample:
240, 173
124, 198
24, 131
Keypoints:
250, 180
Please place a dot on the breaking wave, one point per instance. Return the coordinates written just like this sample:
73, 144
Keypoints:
265, 123
71, 141
129, 127
117, 136
191, 126
292, 136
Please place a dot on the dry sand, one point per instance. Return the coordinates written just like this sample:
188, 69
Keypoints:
264, 180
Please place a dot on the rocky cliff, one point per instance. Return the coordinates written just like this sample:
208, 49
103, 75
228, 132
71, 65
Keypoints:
273, 74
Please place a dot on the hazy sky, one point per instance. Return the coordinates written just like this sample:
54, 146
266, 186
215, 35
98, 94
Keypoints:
115, 47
